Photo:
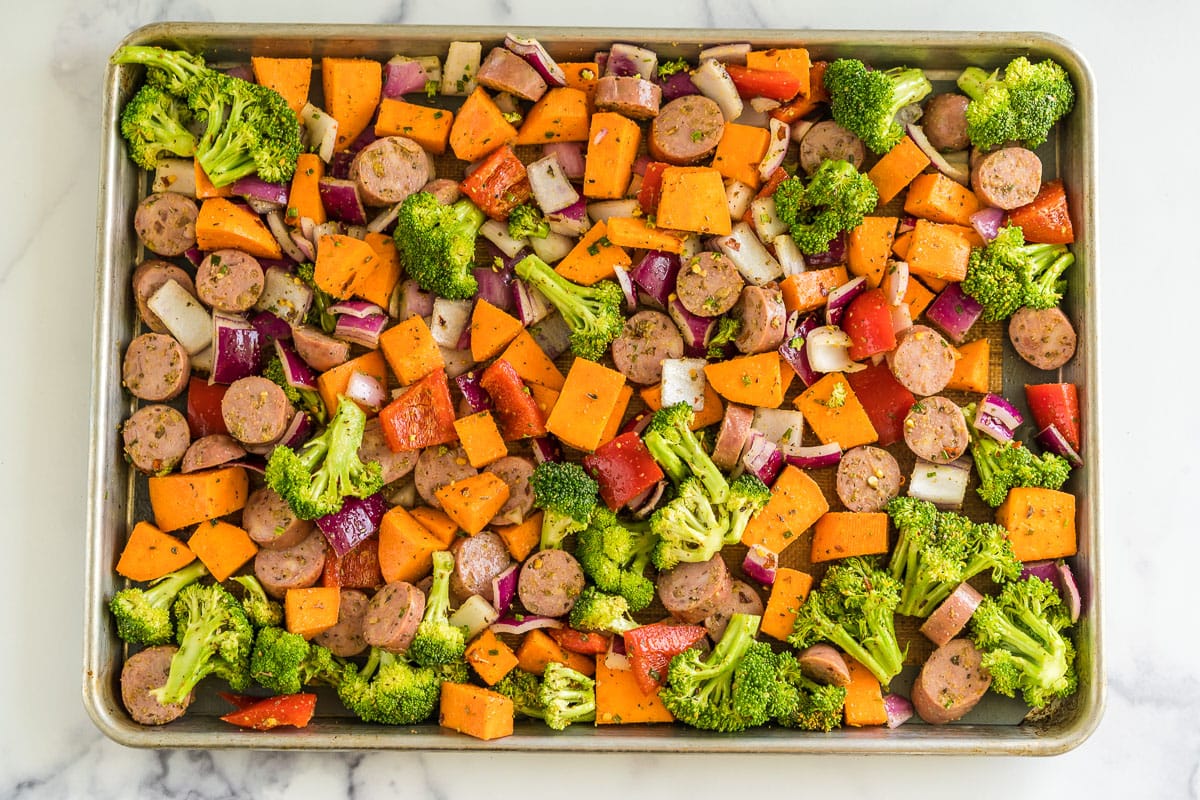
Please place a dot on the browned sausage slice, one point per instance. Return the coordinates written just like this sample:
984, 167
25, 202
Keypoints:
516, 472
634, 97
731, 438
390, 169
1045, 338
255, 410
1007, 178
374, 447
211, 451
230, 280
945, 121
691, 591
743, 599
345, 639
550, 582
936, 430
951, 682
144, 671
296, 567
867, 478
505, 71
922, 362
477, 560
438, 466
709, 285
270, 522
948, 619
156, 438
393, 616
686, 130
165, 222
148, 278
319, 351
156, 367
823, 664
647, 339
445, 190
828, 140
763, 316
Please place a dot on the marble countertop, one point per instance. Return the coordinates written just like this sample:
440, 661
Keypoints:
1148, 744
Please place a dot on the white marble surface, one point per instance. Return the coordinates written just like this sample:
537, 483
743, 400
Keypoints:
1149, 742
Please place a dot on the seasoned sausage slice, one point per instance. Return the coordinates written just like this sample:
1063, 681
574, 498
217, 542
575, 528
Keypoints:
296, 567
1007, 178
731, 438
230, 280
936, 430
823, 664
393, 616
211, 451
345, 639
255, 410
438, 466
374, 447
945, 121
269, 521
634, 97
743, 599
1045, 338
550, 582
516, 472
165, 222
156, 438
867, 478
709, 285
692, 591
922, 362
505, 71
686, 130
477, 560
647, 339
763, 316
156, 367
319, 351
829, 141
147, 279
951, 683
144, 671
948, 619
390, 169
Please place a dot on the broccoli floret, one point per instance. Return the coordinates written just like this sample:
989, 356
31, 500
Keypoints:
318, 312
866, 101
327, 469
835, 199
668, 68
1005, 465
1020, 635
525, 690
747, 495
526, 221
730, 689
567, 495
727, 330
615, 555
690, 527
593, 313
671, 442
214, 638
285, 662
854, 608
1023, 105
154, 125
596, 611
566, 696
261, 610
143, 616
308, 400
173, 71
437, 244
816, 707
1006, 274
390, 689
437, 641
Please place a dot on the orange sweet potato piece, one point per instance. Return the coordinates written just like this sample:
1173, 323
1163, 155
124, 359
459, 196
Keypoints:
561, 115
149, 554
181, 499
788, 593
308, 612
1040, 523
612, 148
841, 534
740, 151
693, 199
935, 197
808, 291
475, 711
223, 548
225, 225
428, 127
846, 423
479, 128
406, 547
796, 503
288, 76
473, 501
352, 87
621, 701
897, 168
491, 658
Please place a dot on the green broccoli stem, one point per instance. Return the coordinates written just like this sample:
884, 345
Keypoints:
162, 591
739, 635
662, 452
974, 82
556, 527
908, 86
557, 289
437, 604
169, 61
1045, 659
187, 665
1047, 273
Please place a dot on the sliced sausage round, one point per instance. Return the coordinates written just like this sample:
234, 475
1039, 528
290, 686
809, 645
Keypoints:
255, 410
945, 121
731, 438
477, 560
230, 280
156, 367
829, 141
922, 362
629, 95
345, 639
156, 438
505, 71
319, 351
867, 478
743, 599
438, 466
393, 615
825, 665
445, 190
763, 316
143, 672
516, 472
1044, 337
374, 447
951, 682
148, 278
936, 430
270, 522
390, 169
211, 451
165, 223
709, 285
693, 590
686, 130
647, 339
549, 583
948, 619
1007, 178
296, 567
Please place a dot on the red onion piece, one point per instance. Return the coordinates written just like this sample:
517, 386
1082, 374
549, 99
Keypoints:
841, 297
954, 312
364, 331
403, 75
532, 305
944, 485
495, 286
366, 390
570, 157
537, 57
270, 326
615, 657
816, 457
675, 86
626, 287
472, 391
306, 250
1045, 569
656, 274
1004, 411
194, 256
625, 60
237, 348
546, 448
552, 334
901, 321
993, 427
951, 171
828, 349
358, 519
355, 308
834, 254
254, 187
413, 301
899, 710
777, 149
1069, 590
906, 224
760, 564
510, 623
342, 201
504, 588
1051, 438
762, 458
637, 423
793, 350
695, 329
987, 222
295, 371
242, 72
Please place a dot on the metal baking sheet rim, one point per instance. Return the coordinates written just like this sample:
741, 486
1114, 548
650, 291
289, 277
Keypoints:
108, 483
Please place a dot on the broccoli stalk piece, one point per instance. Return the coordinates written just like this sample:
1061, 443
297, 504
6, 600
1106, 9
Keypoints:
1020, 635
249, 129
866, 101
437, 641
214, 637
525, 690
318, 312
815, 707
154, 125
854, 608
567, 495
596, 611
327, 469
1005, 465
143, 616
285, 662
307, 399
730, 689
566, 696
174, 71
690, 528
437, 244
261, 610
391, 689
593, 313
671, 442
615, 555
835, 199
727, 330
1023, 105
1006, 274
747, 495
526, 221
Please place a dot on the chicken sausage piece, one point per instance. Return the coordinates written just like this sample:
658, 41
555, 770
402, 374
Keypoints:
825, 665
147, 279
390, 169
156, 367
296, 567
1044, 338
867, 478
393, 615
686, 130
828, 140
165, 222
550, 582
922, 362
648, 338
1007, 178
156, 438
230, 280
374, 447
211, 451
709, 284
477, 560
948, 619
951, 683
692, 591
345, 639
945, 121
936, 430
516, 472
743, 599
437, 466
763, 317
255, 410
270, 522
144, 671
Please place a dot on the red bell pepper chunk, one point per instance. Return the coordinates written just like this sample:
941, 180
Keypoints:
772, 83
285, 709
624, 469
204, 407
358, 569
650, 649
868, 323
651, 189
517, 413
584, 642
499, 184
422, 416
1047, 220
239, 701
884, 399
1056, 404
